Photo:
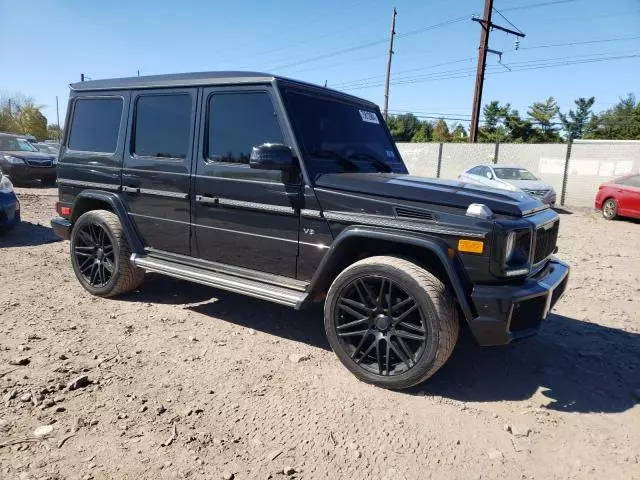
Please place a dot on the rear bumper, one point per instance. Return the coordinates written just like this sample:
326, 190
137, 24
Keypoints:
62, 227
9, 210
507, 313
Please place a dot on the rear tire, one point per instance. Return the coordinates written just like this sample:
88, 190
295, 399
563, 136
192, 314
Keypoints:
49, 181
100, 255
390, 322
610, 209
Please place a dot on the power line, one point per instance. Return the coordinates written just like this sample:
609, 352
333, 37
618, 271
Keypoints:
506, 19
583, 42
536, 5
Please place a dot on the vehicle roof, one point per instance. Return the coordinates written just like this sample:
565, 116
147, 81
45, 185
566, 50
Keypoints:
194, 79
14, 135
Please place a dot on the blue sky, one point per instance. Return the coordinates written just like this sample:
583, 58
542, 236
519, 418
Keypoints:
46, 45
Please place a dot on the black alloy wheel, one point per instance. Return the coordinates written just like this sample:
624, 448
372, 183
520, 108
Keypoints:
380, 325
95, 255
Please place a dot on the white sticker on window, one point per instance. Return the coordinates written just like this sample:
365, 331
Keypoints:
390, 154
369, 117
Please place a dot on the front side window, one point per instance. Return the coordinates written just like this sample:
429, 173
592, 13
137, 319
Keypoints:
162, 126
475, 171
95, 124
339, 136
238, 122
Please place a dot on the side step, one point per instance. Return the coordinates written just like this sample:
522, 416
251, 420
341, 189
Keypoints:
252, 288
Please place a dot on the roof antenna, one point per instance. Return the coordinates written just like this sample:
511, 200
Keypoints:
325, 84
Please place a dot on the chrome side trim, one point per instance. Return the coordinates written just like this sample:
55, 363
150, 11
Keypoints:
310, 213
385, 221
283, 296
80, 183
226, 202
164, 193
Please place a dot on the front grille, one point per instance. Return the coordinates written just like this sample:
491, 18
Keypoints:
536, 193
415, 213
527, 314
546, 239
39, 162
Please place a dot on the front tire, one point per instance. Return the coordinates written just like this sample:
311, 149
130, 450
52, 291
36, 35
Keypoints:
100, 255
390, 322
610, 209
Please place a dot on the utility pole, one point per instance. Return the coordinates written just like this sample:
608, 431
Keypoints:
82, 77
487, 26
58, 116
385, 113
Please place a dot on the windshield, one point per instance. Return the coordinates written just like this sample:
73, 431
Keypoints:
337, 136
12, 144
514, 174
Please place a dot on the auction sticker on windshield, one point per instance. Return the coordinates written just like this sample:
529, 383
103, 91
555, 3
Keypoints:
369, 117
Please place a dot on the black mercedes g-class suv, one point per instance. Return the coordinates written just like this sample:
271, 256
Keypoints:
295, 193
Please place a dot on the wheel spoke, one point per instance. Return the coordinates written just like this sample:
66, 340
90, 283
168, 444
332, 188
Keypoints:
388, 354
86, 238
378, 358
403, 303
360, 321
366, 352
107, 249
85, 264
360, 284
94, 272
381, 294
359, 347
405, 348
353, 334
400, 355
410, 326
84, 254
345, 304
84, 247
389, 298
108, 264
405, 314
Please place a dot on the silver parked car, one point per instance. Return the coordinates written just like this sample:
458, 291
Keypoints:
510, 177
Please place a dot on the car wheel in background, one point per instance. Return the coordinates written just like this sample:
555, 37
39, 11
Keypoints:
610, 209
49, 181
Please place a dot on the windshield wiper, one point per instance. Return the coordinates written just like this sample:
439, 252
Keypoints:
376, 161
345, 162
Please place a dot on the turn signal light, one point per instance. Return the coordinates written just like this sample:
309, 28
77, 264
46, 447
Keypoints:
62, 210
470, 246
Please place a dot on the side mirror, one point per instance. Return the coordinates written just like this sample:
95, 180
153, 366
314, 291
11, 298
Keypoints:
489, 175
271, 156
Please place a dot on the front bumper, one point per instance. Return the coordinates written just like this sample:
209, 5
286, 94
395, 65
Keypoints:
511, 312
9, 210
27, 172
61, 227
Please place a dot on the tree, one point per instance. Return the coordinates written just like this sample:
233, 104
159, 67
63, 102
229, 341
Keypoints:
403, 127
620, 122
459, 134
441, 131
30, 120
575, 123
54, 132
424, 133
494, 116
542, 114
519, 130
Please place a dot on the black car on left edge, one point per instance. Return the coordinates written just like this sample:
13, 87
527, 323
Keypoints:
20, 160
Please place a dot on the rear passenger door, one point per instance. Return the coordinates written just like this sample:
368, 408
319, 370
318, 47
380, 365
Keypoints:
244, 217
157, 166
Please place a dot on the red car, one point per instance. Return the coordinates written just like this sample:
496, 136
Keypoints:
620, 197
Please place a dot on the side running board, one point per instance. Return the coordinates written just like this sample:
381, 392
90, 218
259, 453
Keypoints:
252, 288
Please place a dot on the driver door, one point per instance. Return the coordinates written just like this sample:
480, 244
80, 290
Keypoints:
244, 217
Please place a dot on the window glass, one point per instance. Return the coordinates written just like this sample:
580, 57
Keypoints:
237, 123
95, 124
162, 126
476, 171
633, 181
506, 173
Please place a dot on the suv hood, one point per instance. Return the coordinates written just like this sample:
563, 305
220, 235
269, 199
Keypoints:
23, 155
449, 193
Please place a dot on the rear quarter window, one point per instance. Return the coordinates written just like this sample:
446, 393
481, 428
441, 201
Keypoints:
95, 124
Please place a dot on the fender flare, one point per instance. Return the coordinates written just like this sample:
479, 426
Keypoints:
115, 202
433, 245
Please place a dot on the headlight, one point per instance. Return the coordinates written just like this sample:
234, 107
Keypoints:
13, 160
508, 248
5, 184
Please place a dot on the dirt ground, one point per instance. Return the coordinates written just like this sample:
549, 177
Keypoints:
186, 381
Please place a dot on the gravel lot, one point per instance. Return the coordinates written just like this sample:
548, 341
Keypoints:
191, 382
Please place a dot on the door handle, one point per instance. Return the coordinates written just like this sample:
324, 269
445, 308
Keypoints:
128, 189
205, 200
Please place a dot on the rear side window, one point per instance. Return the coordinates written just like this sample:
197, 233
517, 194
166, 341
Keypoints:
95, 124
162, 126
237, 123
633, 181
476, 171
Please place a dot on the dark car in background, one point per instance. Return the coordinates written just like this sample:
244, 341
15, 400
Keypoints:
47, 148
619, 197
21, 160
9, 204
